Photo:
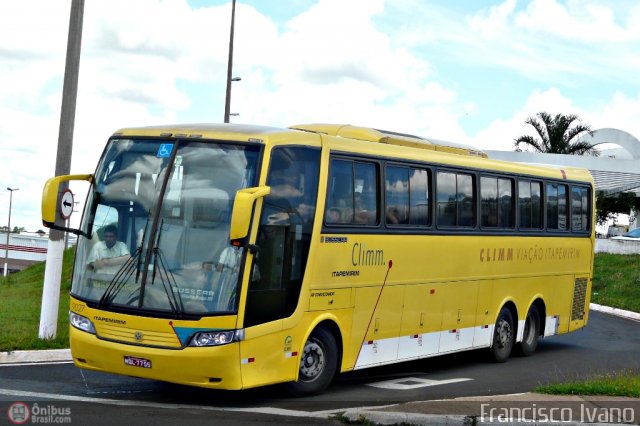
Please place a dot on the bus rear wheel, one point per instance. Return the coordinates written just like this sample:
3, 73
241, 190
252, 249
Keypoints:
318, 364
503, 336
531, 332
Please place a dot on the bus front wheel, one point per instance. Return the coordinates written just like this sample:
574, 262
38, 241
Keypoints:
503, 336
318, 364
531, 332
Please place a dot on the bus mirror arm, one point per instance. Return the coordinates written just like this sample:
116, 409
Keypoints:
241, 215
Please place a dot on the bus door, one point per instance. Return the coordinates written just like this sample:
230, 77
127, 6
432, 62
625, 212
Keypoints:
283, 242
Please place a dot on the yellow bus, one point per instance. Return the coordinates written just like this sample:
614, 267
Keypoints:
236, 256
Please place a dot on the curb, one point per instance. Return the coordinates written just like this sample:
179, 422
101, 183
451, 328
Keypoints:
32, 357
399, 418
520, 409
615, 311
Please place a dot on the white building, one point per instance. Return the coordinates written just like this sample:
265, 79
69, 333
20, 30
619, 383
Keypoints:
25, 250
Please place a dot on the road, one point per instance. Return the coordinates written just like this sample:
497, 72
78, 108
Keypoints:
608, 344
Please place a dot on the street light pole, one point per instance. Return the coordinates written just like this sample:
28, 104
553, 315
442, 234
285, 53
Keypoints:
6, 252
55, 247
227, 103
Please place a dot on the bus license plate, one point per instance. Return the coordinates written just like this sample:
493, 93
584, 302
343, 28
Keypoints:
137, 362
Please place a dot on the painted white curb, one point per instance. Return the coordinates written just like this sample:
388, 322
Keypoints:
24, 357
615, 311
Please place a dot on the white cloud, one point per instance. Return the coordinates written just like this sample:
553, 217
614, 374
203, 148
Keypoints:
334, 65
496, 21
363, 62
500, 134
620, 111
581, 21
548, 40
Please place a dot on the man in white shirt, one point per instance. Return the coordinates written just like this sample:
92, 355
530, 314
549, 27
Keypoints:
110, 254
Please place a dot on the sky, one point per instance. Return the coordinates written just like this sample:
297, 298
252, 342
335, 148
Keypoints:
467, 72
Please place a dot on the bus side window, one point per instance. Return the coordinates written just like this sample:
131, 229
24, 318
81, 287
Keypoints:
557, 211
397, 195
340, 193
456, 199
446, 193
365, 197
529, 204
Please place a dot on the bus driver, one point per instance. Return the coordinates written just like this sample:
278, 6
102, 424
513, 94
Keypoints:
110, 254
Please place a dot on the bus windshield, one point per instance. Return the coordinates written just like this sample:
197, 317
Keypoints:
158, 216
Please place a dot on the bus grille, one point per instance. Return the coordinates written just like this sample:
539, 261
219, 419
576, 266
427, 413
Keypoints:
579, 297
138, 337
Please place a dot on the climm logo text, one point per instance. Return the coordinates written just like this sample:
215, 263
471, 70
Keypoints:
362, 256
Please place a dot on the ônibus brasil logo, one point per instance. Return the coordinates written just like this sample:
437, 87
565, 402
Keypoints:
19, 413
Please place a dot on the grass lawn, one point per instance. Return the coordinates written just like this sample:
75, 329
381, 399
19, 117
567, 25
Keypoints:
21, 300
616, 281
624, 383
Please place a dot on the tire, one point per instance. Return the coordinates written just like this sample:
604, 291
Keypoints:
503, 336
318, 364
531, 332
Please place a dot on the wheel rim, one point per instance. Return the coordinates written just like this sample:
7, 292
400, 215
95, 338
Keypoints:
504, 334
313, 361
529, 329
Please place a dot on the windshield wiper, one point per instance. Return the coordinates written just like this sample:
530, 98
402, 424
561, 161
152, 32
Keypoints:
119, 280
155, 258
168, 282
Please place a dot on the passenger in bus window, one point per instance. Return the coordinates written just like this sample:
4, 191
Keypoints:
362, 215
229, 258
285, 185
110, 254
333, 215
393, 216
287, 202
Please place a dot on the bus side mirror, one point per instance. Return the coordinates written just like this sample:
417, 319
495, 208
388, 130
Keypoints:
242, 209
56, 202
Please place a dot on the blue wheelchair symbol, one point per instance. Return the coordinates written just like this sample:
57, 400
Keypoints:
165, 150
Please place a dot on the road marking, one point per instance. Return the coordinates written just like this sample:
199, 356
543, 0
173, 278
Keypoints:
22, 364
407, 383
126, 403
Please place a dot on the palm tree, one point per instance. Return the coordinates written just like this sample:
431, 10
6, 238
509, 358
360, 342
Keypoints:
556, 136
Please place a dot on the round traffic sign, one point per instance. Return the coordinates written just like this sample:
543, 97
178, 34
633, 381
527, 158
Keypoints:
66, 204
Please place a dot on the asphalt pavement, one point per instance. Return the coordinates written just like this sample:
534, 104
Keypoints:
525, 408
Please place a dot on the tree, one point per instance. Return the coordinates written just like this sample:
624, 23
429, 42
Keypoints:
608, 207
557, 136
15, 230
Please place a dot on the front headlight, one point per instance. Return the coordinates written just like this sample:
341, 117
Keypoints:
81, 323
216, 338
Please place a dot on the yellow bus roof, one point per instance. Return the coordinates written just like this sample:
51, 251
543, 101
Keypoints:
201, 130
388, 137
356, 139
345, 137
